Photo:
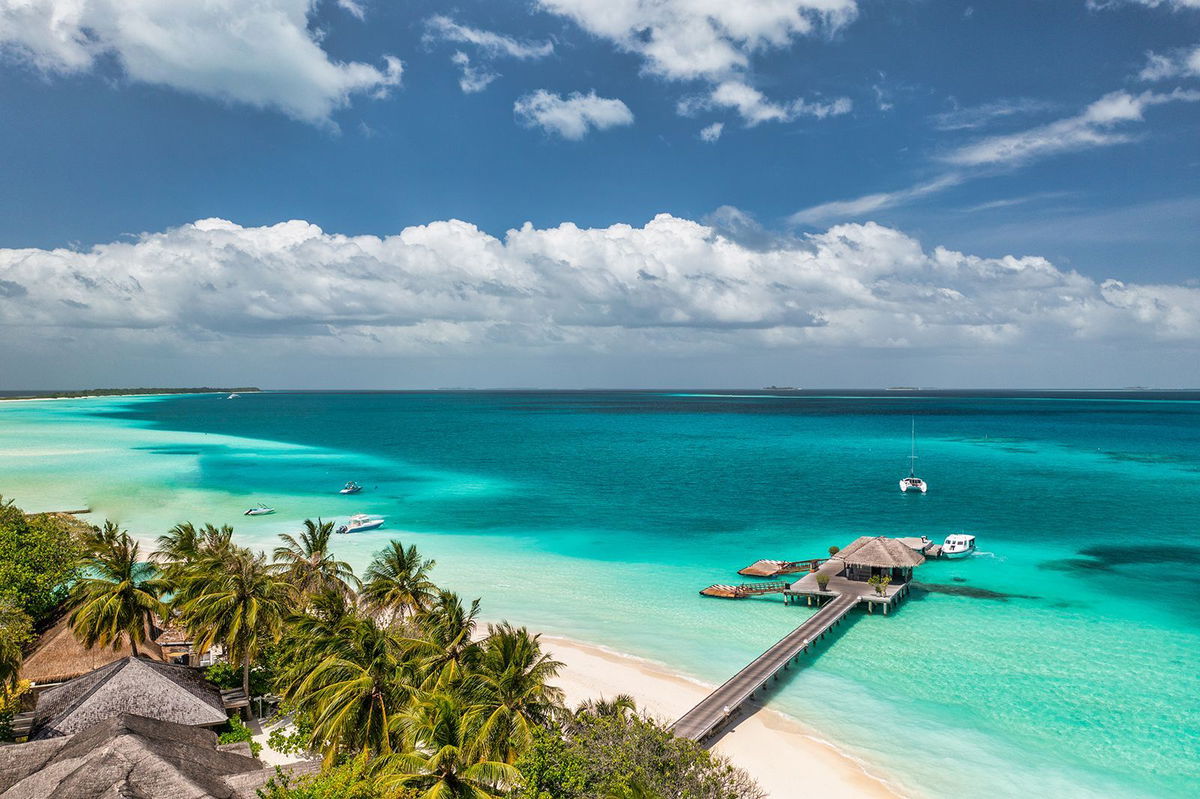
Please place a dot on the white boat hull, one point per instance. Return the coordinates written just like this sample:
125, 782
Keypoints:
956, 555
921, 489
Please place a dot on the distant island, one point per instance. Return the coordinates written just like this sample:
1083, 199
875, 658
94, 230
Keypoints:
121, 392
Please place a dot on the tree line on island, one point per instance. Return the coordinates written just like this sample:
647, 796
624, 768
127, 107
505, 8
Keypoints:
391, 680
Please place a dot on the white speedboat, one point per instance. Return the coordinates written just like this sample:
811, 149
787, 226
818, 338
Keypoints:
351, 488
912, 482
259, 510
233, 396
360, 523
958, 545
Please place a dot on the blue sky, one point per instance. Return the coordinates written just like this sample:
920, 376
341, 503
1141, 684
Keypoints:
1062, 130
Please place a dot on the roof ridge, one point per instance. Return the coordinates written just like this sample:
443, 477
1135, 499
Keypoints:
180, 688
75, 704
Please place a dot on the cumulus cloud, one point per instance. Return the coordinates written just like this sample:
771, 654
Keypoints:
754, 107
260, 53
353, 8
571, 117
672, 285
713, 41
1096, 126
471, 78
1184, 63
710, 133
684, 39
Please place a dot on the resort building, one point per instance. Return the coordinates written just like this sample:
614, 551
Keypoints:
59, 656
132, 685
135, 758
877, 556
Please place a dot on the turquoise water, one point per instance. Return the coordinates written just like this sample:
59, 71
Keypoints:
600, 515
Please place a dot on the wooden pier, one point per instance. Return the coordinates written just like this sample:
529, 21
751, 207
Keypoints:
746, 589
774, 568
845, 587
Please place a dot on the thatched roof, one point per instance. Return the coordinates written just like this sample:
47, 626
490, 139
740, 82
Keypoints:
59, 655
131, 757
139, 686
881, 552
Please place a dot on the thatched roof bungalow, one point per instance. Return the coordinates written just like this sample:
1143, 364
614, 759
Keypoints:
59, 656
134, 758
137, 686
870, 556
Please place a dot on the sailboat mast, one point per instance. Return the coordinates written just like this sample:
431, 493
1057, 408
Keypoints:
912, 456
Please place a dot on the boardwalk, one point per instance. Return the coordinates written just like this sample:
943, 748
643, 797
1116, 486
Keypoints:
700, 722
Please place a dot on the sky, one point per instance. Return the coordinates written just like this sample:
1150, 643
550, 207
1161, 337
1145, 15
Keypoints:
600, 193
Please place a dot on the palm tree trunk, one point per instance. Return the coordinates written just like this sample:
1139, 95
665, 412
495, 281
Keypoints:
246, 676
132, 645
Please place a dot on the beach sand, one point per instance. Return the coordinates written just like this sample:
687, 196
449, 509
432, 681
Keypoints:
785, 758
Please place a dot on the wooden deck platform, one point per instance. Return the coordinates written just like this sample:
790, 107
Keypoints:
704, 719
744, 590
774, 568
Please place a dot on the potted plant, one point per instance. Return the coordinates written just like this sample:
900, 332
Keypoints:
822, 581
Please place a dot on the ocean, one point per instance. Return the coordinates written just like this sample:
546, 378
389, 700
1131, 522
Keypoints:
1061, 659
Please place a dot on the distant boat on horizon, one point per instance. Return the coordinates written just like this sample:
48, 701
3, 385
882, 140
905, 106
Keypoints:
912, 482
234, 395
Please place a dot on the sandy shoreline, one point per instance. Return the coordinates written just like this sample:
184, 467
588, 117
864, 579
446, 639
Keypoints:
786, 758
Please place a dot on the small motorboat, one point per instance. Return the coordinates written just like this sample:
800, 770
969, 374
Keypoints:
233, 396
360, 523
958, 545
259, 510
351, 488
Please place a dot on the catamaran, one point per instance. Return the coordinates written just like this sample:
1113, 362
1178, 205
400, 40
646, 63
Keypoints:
360, 523
912, 482
259, 510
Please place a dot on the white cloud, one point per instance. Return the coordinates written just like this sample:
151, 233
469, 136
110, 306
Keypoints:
472, 78
443, 28
754, 107
1184, 63
260, 53
572, 116
710, 133
869, 203
673, 285
710, 39
1175, 5
981, 115
353, 8
1093, 127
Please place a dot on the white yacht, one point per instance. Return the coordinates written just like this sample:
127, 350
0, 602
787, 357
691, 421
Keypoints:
958, 545
351, 488
912, 482
360, 523
233, 396
259, 510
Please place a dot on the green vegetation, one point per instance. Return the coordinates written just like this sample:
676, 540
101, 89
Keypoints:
880, 582
822, 580
238, 732
390, 679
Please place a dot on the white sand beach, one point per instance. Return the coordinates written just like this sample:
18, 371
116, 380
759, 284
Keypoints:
786, 759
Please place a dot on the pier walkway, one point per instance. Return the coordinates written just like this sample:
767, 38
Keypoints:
702, 720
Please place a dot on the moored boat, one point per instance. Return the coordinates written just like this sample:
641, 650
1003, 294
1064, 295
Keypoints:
360, 523
351, 488
259, 510
912, 482
958, 545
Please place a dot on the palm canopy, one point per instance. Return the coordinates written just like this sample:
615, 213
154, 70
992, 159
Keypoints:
348, 673
444, 757
510, 691
446, 639
118, 596
397, 581
234, 599
306, 562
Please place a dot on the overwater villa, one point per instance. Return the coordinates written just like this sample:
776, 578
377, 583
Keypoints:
878, 556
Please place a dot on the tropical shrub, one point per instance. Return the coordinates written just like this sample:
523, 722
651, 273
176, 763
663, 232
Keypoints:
348, 780
39, 557
237, 733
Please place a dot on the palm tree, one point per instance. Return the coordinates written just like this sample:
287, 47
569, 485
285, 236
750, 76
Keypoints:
510, 696
398, 581
349, 674
308, 564
118, 595
15, 629
233, 599
446, 638
443, 759
621, 706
